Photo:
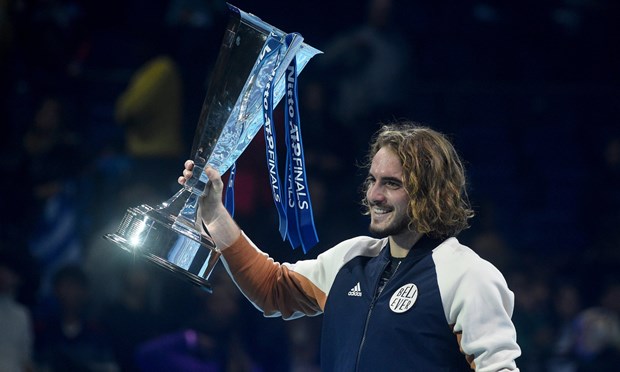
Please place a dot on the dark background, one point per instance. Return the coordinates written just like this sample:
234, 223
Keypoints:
528, 91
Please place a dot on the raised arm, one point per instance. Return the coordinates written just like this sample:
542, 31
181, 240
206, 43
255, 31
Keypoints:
272, 287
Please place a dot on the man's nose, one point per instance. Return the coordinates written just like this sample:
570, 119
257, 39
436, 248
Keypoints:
375, 193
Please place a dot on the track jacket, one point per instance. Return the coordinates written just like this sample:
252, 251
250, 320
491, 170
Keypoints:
443, 309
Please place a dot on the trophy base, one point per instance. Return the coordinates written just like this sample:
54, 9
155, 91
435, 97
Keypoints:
157, 236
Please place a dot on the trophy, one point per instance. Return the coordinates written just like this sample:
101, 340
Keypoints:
253, 58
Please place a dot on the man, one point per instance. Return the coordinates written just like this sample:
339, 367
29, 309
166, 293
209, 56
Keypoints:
413, 298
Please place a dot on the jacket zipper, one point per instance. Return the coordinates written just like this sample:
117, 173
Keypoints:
372, 305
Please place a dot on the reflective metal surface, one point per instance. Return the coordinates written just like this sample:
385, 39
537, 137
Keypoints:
152, 233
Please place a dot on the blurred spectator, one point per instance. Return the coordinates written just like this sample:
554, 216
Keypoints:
52, 163
531, 316
304, 336
68, 337
132, 319
589, 339
213, 338
51, 146
597, 340
567, 304
150, 109
16, 335
369, 72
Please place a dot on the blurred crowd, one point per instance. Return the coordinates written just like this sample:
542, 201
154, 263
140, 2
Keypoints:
100, 102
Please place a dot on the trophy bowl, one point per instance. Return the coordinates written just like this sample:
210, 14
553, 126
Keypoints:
253, 55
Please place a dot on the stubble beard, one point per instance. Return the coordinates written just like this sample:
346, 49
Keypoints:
395, 228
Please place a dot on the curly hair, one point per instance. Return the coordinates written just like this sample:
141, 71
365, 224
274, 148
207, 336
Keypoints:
433, 177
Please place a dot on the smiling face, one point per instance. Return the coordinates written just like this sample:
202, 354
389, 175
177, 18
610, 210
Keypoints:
386, 196
416, 185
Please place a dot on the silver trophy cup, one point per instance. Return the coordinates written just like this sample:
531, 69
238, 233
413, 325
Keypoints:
253, 55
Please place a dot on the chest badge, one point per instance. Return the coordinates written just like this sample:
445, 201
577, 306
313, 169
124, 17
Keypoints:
404, 298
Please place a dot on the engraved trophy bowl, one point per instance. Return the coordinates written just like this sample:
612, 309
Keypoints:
253, 55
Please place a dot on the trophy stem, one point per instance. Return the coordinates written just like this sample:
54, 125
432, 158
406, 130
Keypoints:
186, 219
187, 215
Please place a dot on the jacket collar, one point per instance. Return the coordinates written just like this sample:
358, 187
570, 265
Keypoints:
422, 247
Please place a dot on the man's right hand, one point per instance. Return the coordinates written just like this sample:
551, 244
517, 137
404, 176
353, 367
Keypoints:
220, 225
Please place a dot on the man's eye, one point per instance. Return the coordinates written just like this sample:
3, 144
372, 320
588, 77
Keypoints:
393, 184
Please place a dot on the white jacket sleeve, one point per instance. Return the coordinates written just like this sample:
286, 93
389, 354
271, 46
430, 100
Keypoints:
478, 305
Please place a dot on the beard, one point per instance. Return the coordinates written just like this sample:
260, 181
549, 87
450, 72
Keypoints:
394, 228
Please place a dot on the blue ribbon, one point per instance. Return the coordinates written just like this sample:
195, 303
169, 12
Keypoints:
296, 221
273, 46
301, 228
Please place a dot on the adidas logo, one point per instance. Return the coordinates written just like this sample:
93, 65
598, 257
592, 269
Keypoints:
356, 291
